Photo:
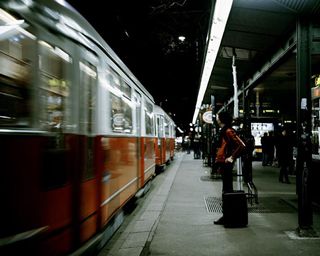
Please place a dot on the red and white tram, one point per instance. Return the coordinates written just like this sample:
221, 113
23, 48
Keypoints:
165, 138
77, 131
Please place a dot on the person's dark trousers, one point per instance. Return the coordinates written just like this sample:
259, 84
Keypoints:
283, 177
264, 159
247, 168
270, 158
227, 185
227, 178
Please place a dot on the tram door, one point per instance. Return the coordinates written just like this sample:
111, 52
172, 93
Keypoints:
86, 208
53, 100
140, 139
160, 141
87, 105
138, 112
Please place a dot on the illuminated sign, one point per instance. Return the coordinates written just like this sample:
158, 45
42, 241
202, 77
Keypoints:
317, 80
207, 117
315, 92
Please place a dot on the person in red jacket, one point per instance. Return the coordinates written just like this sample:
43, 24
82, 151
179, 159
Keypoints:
229, 148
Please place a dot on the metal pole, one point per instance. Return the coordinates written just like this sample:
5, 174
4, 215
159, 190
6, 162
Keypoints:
257, 104
236, 115
247, 135
304, 152
212, 144
235, 87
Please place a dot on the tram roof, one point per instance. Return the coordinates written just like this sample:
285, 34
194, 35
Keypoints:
74, 25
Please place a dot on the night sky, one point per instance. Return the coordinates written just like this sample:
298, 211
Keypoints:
144, 34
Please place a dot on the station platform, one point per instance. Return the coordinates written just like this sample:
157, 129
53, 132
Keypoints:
176, 217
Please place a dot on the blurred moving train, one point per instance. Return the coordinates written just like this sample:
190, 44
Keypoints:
79, 135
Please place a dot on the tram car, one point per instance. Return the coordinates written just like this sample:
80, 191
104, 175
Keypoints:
165, 138
77, 132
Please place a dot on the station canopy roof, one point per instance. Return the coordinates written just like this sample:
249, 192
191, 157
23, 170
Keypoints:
262, 35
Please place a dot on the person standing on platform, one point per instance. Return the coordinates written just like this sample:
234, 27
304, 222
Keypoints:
230, 147
196, 146
270, 148
285, 155
264, 147
248, 157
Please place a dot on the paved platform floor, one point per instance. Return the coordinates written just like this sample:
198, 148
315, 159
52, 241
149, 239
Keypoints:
176, 217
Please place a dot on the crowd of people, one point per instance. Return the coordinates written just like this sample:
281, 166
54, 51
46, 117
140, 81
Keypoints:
277, 151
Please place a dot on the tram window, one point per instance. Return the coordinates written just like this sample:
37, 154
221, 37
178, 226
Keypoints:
88, 77
121, 114
173, 131
16, 50
126, 89
166, 127
116, 82
88, 101
55, 110
120, 103
114, 78
137, 102
160, 127
148, 113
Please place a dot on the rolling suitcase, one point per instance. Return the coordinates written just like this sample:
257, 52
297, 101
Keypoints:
235, 209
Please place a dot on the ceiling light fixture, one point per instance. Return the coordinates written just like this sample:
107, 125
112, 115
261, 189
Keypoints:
182, 38
220, 17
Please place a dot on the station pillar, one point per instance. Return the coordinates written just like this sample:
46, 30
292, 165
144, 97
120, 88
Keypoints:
304, 149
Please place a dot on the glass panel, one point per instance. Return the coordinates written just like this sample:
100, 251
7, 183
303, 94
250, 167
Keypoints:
88, 77
113, 78
16, 50
55, 110
148, 113
126, 89
137, 100
121, 105
88, 101
121, 114
127, 109
160, 126
166, 127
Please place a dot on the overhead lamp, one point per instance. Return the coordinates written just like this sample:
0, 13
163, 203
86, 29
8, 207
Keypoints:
220, 17
182, 38
179, 129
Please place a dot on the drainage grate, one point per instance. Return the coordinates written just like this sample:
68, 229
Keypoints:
213, 204
266, 205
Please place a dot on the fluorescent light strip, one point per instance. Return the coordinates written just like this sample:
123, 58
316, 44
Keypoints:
220, 17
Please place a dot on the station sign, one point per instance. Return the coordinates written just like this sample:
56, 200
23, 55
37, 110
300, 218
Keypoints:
317, 80
315, 92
